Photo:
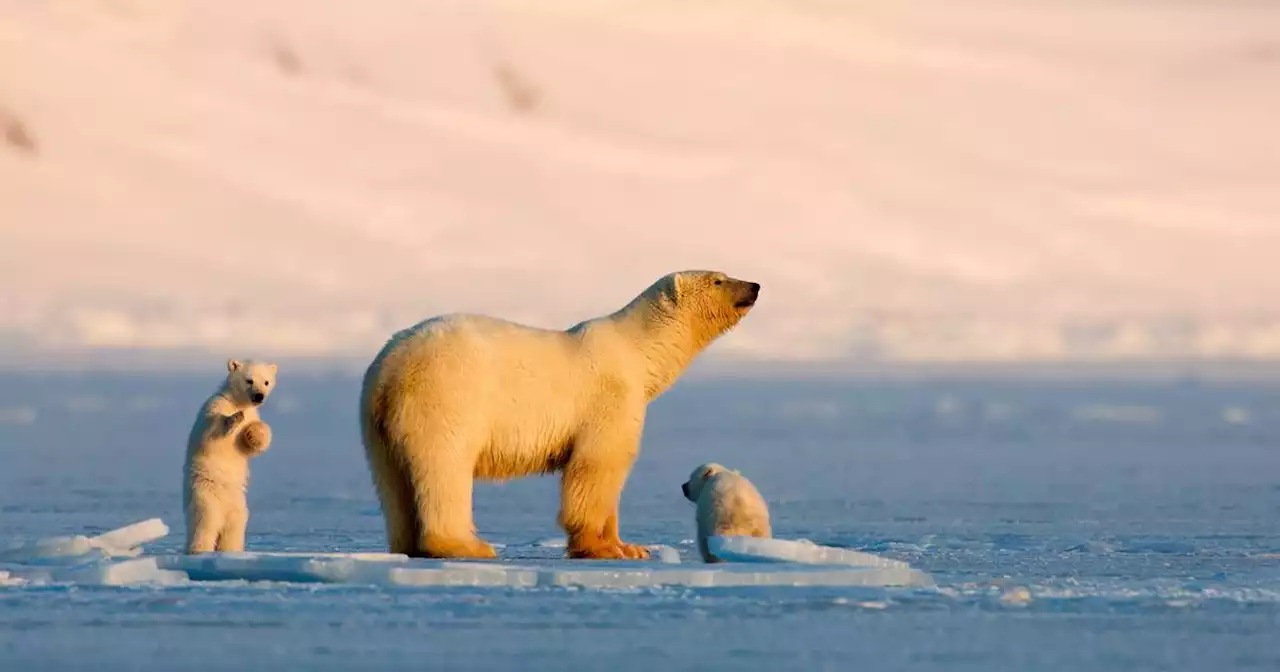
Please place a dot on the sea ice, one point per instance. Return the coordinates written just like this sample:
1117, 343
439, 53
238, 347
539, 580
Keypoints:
127, 540
96, 561
665, 554
136, 570
285, 567
122, 542
49, 548
803, 551
399, 570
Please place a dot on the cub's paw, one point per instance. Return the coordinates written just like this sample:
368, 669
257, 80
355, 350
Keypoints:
255, 438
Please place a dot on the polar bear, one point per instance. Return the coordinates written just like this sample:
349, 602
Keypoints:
227, 432
728, 505
462, 397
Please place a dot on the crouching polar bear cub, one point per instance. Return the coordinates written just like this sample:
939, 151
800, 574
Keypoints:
460, 397
728, 506
227, 432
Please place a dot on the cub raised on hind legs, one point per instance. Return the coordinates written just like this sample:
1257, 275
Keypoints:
226, 433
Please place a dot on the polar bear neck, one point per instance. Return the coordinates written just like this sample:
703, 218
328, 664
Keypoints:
668, 343
230, 398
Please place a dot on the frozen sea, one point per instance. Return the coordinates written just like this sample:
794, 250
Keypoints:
1141, 518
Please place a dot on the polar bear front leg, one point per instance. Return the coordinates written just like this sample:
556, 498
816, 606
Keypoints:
590, 489
228, 423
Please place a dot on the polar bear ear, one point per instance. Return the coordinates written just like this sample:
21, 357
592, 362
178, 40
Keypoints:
677, 287
233, 365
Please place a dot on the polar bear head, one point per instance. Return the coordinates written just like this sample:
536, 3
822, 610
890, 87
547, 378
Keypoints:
708, 301
249, 382
692, 488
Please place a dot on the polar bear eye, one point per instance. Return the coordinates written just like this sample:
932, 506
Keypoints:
719, 282
248, 381
267, 384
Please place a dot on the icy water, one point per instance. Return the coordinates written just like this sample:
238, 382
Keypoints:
1143, 520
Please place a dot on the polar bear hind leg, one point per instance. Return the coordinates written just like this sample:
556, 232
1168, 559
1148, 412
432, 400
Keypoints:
440, 465
204, 523
234, 524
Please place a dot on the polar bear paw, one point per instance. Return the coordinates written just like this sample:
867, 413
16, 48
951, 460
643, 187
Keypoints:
255, 438
606, 549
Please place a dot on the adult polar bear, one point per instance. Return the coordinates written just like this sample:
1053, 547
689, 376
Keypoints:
460, 397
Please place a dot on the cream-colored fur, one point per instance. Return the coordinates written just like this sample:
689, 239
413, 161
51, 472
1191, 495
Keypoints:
226, 433
728, 506
461, 397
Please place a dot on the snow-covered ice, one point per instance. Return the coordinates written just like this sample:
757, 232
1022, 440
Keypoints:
399, 570
93, 561
996, 231
126, 572
803, 551
123, 542
48, 549
127, 540
1138, 546
88, 560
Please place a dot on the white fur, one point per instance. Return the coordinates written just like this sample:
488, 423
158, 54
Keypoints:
728, 505
216, 471
461, 397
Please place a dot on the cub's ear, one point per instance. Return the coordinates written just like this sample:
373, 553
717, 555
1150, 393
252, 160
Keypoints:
274, 368
233, 365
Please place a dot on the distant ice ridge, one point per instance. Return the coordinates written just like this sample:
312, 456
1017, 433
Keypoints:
115, 558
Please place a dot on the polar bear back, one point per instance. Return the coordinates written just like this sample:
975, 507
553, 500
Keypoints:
729, 505
524, 387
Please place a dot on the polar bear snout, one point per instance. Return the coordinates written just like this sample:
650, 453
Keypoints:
746, 294
684, 488
257, 397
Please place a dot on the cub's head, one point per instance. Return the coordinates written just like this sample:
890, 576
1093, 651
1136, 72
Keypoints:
250, 382
709, 301
692, 488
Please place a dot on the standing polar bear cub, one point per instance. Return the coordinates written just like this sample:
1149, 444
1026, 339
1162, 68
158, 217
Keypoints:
460, 397
227, 432
728, 506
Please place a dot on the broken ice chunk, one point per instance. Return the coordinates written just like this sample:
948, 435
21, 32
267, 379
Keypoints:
665, 554
138, 570
47, 548
803, 551
124, 541
127, 540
